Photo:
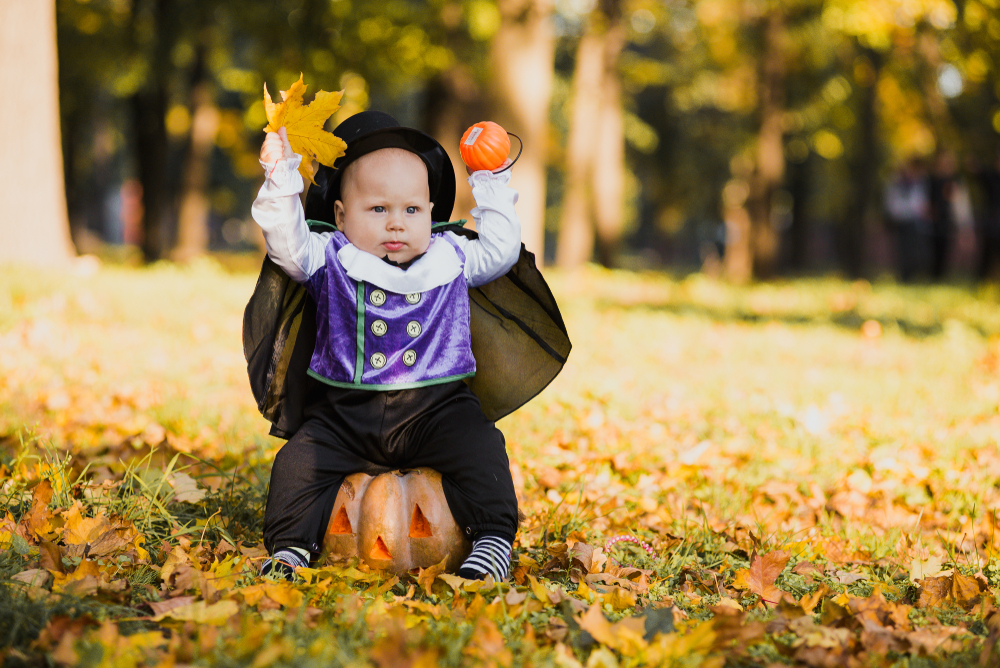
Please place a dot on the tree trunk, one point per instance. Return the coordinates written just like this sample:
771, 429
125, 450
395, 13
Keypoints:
575, 244
149, 111
149, 116
523, 55
864, 168
770, 164
192, 220
798, 233
595, 157
34, 226
609, 160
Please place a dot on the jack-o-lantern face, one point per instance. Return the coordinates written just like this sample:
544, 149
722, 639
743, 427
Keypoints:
396, 521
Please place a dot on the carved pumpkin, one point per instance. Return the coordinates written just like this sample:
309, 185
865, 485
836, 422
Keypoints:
485, 146
396, 521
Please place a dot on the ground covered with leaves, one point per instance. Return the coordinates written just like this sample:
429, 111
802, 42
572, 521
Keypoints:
794, 474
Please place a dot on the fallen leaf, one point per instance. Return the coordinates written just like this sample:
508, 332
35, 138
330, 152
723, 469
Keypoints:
426, 576
965, 591
924, 568
763, 572
619, 598
934, 592
201, 612
35, 577
845, 577
186, 489
38, 521
162, 607
80, 530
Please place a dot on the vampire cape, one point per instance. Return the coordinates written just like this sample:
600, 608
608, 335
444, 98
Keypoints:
519, 339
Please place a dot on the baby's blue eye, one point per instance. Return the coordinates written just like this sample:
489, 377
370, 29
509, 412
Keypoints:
411, 209
378, 209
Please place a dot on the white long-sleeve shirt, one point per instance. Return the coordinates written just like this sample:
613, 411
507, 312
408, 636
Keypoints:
300, 252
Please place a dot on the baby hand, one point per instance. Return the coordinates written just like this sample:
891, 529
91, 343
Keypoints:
275, 146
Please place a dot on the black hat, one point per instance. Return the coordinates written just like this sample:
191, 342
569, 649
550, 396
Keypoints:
370, 131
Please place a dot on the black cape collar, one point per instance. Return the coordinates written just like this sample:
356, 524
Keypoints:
402, 265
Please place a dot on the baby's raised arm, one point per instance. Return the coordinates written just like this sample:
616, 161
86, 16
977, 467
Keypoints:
499, 244
278, 211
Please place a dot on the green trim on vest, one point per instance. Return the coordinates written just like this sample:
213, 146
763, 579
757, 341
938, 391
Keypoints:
321, 224
383, 388
359, 362
460, 223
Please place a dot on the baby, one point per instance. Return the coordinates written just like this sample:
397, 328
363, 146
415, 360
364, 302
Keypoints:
393, 340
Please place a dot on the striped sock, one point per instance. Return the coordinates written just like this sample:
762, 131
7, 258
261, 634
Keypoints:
490, 556
285, 561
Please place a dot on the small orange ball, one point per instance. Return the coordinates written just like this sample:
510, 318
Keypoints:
485, 146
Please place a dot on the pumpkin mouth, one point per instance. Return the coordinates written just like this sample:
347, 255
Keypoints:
419, 526
341, 523
379, 550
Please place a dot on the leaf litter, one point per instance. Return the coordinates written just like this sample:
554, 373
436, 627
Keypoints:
133, 495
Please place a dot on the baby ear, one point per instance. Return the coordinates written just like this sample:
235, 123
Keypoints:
339, 213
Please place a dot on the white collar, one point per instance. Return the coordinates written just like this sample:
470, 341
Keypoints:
438, 266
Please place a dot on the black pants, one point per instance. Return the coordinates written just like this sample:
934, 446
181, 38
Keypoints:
349, 431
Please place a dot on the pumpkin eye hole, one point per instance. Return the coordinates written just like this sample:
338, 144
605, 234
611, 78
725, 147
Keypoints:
379, 550
419, 526
341, 523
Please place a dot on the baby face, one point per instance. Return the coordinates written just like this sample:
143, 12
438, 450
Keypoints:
385, 208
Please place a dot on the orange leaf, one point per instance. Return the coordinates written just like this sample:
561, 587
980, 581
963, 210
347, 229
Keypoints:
80, 530
39, 521
762, 574
965, 590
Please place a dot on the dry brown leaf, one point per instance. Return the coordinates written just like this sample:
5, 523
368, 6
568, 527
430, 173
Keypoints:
934, 592
186, 489
965, 591
34, 577
201, 612
426, 576
760, 577
38, 521
162, 607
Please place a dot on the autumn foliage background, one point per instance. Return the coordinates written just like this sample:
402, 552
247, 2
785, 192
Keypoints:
812, 463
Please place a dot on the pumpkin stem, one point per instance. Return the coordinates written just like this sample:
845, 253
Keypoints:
419, 526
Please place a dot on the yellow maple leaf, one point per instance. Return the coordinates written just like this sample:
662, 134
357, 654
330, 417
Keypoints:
304, 125
80, 530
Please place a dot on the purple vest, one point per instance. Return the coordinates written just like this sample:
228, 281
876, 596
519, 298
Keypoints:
372, 339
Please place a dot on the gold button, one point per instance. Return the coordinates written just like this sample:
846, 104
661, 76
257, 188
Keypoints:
378, 360
379, 328
377, 298
410, 357
413, 329
412, 297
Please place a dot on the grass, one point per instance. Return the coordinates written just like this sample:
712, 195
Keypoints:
852, 425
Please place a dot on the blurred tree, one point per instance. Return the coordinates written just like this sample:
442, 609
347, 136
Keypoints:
523, 52
193, 215
592, 206
187, 75
455, 97
153, 33
34, 227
